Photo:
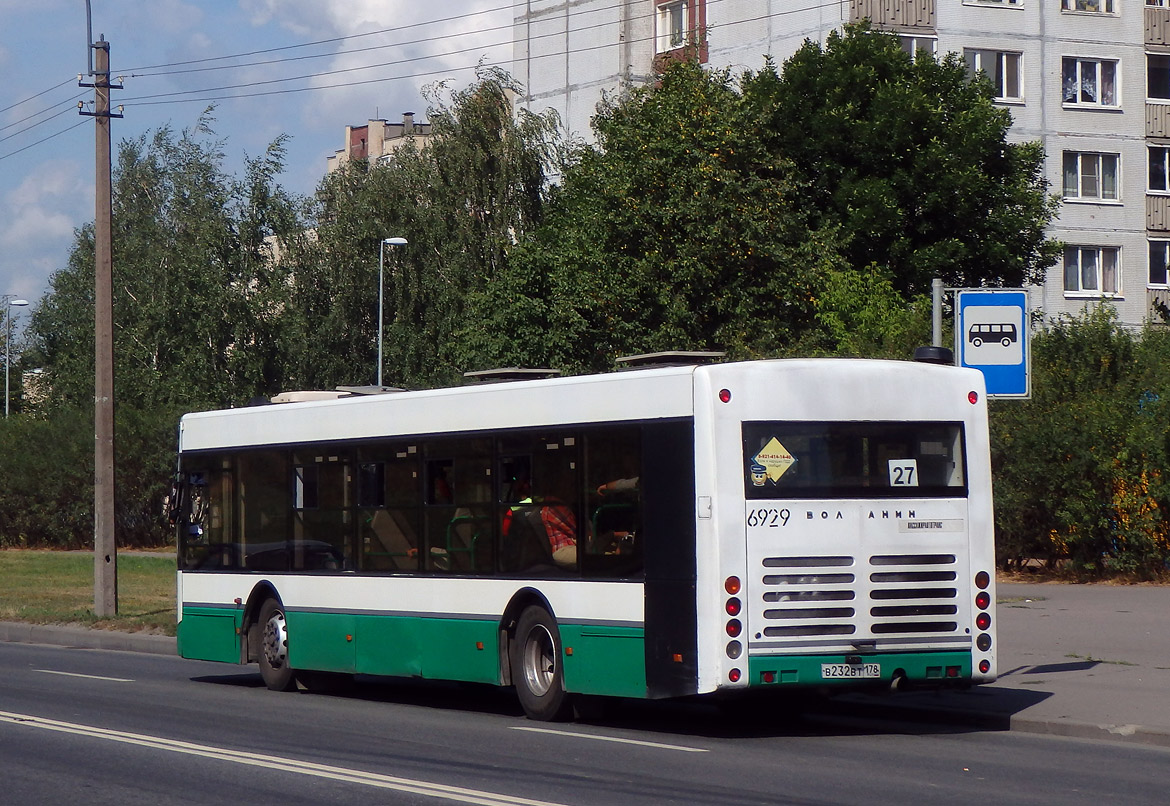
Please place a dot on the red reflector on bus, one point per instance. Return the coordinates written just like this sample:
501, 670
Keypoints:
731, 585
769, 677
973, 397
983, 621
734, 628
725, 395
733, 675
984, 666
983, 600
676, 657
733, 606
952, 671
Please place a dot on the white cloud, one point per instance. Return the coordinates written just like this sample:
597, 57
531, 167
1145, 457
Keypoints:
39, 217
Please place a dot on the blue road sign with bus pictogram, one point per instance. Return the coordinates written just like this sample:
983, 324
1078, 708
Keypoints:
991, 335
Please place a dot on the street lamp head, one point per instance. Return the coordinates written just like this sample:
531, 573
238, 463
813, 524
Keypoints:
394, 241
19, 303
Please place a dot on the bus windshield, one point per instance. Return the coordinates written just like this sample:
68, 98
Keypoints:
853, 460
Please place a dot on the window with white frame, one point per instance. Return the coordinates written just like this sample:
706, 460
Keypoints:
1158, 76
918, 44
1092, 176
672, 25
1002, 67
1158, 3
1159, 157
1089, 82
1159, 274
1092, 270
1090, 6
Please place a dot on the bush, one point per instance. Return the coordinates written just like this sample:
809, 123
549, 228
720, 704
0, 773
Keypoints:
48, 467
1078, 469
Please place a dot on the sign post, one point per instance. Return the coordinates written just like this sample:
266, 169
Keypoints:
992, 335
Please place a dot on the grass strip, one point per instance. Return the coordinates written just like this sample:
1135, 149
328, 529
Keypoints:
56, 587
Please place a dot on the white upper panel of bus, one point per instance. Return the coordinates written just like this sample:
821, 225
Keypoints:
799, 389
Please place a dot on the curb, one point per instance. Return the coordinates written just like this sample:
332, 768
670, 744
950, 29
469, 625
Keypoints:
993, 720
82, 638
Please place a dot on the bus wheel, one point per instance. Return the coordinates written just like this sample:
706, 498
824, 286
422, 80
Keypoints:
536, 667
274, 668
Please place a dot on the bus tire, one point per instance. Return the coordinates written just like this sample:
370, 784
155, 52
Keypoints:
274, 666
537, 671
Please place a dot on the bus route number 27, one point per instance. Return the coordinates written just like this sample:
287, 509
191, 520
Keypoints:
773, 518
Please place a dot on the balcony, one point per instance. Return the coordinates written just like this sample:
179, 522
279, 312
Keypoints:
895, 13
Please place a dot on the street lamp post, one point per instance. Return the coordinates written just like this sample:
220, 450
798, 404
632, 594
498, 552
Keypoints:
12, 302
381, 261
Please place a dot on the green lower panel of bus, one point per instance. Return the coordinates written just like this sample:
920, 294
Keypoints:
210, 634
821, 670
597, 660
604, 660
437, 648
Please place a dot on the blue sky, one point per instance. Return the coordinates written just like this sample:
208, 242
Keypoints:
47, 149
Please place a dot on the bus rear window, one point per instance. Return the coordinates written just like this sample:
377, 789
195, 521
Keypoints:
853, 460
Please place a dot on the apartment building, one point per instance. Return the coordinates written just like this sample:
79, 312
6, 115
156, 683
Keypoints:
1090, 79
377, 139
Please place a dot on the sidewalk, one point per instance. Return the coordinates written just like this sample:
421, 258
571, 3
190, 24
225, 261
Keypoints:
1090, 661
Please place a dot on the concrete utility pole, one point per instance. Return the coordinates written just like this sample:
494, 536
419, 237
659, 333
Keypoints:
105, 547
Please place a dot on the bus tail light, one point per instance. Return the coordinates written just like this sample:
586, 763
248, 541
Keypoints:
734, 675
731, 585
983, 621
973, 397
734, 628
983, 600
734, 606
734, 649
982, 580
984, 666
724, 395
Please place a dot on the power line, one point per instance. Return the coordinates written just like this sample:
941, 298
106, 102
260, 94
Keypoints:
37, 114
153, 100
42, 140
328, 41
38, 123
34, 97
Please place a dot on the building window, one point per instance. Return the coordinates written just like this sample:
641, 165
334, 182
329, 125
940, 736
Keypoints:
914, 45
672, 26
1159, 169
1090, 6
1158, 3
1089, 82
1158, 76
1090, 176
1003, 68
1091, 270
1159, 262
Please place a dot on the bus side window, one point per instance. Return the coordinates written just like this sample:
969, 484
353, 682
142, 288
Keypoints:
613, 461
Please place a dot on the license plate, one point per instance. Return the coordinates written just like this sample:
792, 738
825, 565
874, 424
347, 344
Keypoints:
850, 671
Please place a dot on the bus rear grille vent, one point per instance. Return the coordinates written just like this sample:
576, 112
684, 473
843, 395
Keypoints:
906, 599
809, 584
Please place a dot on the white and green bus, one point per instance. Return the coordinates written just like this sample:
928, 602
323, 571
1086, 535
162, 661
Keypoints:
663, 532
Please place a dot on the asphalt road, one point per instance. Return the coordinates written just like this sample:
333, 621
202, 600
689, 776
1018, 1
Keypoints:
101, 727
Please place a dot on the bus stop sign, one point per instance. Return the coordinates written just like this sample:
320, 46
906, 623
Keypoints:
991, 335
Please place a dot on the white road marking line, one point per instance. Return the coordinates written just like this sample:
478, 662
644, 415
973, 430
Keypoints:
373, 779
86, 676
601, 738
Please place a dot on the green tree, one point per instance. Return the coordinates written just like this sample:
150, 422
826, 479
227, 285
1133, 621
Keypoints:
196, 293
462, 200
910, 158
678, 231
